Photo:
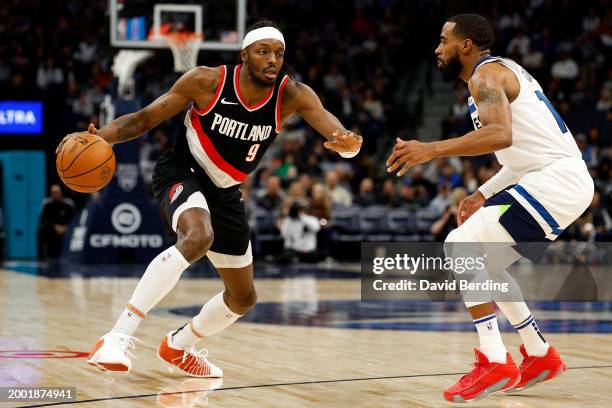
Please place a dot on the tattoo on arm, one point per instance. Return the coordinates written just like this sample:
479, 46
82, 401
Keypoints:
128, 128
207, 85
488, 95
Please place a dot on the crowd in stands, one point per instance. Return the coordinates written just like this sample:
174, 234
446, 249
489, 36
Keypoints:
359, 60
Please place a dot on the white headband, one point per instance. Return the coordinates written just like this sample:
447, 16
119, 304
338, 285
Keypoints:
262, 34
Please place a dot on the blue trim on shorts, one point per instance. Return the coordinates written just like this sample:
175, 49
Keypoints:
519, 223
540, 209
528, 234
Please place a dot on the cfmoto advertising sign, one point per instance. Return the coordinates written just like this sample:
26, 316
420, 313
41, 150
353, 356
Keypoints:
126, 219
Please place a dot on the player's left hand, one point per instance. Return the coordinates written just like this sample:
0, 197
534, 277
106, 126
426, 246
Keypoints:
344, 142
408, 153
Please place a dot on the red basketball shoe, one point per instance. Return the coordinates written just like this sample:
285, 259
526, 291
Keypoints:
539, 369
485, 379
191, 361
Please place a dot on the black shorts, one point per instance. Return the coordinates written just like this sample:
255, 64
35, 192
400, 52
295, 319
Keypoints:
176, 180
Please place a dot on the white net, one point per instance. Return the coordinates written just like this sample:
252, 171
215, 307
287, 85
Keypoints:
124, 66
185, 48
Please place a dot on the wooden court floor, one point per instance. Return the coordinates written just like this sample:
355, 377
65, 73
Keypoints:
270, 363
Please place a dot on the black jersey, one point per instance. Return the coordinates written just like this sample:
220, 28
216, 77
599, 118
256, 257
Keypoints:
228, 137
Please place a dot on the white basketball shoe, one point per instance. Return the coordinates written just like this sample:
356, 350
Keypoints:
112, 352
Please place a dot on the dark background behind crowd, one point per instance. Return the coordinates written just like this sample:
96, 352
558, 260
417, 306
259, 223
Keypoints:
361, 58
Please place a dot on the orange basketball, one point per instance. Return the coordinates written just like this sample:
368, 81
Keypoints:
86, 163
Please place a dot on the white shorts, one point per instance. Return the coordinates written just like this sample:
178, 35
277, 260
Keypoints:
556, 195
538, 208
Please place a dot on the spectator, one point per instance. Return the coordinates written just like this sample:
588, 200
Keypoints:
347, 102
579, 96
306, 183
338, 194
519, 43
601, 219
409, 196
87, 50
449, 175
605, 100
56, 213
424, 188
373, 105
334, 80
366, 196
457, 122
589, 152
295, 193
273, 196
469, 178
320, 203
288, 170
565, 68
590, 22
448, 221
299, 231
593, 225
150, 152
533, 61
441, 202
49, 75
388, 196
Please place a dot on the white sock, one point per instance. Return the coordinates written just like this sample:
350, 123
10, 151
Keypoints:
160, 277
214, 317
491, 344
129, 320
520, 317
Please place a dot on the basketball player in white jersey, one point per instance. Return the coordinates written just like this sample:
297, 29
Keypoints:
234, 114
551, 187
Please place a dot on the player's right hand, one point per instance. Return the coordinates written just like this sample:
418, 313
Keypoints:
469, 205
91, 130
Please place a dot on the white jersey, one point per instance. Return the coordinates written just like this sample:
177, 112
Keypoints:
539, 135
551, 181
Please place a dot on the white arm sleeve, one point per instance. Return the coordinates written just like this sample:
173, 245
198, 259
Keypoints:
498, 182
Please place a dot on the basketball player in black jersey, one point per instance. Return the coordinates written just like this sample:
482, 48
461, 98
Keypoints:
235, 112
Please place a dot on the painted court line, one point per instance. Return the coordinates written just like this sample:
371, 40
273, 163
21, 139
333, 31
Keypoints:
271, 385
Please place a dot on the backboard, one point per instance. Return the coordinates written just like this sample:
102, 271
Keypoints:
136, 24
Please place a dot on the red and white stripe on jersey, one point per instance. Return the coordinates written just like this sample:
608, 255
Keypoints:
281, 88
239, 94
215, 98
222, 173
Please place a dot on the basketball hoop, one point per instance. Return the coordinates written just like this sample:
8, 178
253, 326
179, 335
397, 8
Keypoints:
185, 47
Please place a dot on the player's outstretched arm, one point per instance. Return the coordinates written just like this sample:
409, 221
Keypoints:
194, 85
487, 87
303, 101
